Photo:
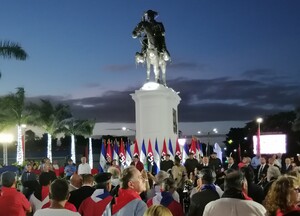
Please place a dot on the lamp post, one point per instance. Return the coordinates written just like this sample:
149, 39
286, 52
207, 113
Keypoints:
5, 139
259, 121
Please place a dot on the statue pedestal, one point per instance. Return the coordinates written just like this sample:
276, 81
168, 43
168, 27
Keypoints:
156, 114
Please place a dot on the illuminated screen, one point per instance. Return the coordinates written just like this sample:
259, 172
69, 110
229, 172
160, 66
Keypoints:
270, 144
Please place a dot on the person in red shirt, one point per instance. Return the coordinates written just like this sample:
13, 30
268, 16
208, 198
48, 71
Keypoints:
12, 202
137, 163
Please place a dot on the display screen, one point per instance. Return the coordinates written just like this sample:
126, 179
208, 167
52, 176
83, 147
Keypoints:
270, 144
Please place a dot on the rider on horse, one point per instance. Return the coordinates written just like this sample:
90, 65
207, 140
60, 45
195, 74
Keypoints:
158, 33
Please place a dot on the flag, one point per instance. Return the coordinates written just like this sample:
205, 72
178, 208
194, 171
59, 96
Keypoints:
116, 152
150, 153
185, 152
200, 148
177, 150
108, 151
102, 158
136, 148
143, 158
193, 146
128, 155
218, 150
122, 154
171, 150
156, 159
164, 149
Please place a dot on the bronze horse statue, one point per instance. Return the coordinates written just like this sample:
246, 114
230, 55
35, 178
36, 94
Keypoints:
154, 50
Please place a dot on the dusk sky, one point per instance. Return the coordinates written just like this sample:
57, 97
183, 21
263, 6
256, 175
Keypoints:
231, 60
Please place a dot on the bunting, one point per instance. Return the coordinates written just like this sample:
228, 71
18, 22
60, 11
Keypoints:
150, 155
136, 148
128, 155
156, 159
102, 158
164, 149
171, 150
143, 158
177, 150
108, 151
122, 154
116, 152
185, 152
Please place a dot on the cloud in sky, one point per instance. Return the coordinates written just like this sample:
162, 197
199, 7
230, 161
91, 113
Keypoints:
218, 99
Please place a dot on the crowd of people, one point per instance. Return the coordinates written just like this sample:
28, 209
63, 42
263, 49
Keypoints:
262, 185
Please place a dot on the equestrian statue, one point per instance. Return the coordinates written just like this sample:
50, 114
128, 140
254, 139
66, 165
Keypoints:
154, 51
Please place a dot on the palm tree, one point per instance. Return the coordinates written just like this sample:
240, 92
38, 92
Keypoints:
50, 118
12, 50
13, 113
89, 132
75, 127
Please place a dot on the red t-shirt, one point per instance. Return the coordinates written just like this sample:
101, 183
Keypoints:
13, 202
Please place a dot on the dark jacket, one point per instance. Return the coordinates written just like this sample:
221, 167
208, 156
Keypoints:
166, 165
190, 165
77, 196
200, 199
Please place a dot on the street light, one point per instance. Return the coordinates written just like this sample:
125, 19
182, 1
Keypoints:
5, 139
259, 121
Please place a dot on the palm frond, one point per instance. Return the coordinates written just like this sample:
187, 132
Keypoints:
10, 49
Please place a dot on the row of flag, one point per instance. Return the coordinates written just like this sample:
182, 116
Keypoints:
151, 159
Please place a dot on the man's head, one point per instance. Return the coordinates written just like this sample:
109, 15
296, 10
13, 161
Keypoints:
205, 160
114, 162
288, 161
235, 179
76, 180
136, 158
230, 160
83, 160
167, 157
168, 184
161, 176
103, 181
8, 179
206, 176
133, 179
213, 155
88, 179
29, 167
45, 179
191, 155
263, 160
70, 161
59, 190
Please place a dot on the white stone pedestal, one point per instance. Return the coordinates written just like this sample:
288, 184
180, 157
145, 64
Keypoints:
156, 114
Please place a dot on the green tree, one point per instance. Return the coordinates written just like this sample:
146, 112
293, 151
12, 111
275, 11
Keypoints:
13, 112
75, 127
10, 49
50, 118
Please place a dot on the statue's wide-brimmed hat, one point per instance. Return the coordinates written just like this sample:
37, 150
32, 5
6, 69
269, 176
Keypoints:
151, 13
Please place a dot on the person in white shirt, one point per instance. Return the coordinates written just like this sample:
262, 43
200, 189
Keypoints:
59, 196
84, 167
234, 201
